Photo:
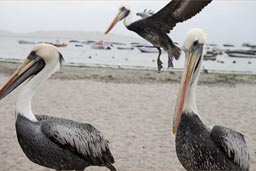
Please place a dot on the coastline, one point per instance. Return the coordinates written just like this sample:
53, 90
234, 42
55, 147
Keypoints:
138, 76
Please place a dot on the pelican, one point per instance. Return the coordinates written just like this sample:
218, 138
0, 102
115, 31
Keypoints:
52, 142
198, 146
154, 28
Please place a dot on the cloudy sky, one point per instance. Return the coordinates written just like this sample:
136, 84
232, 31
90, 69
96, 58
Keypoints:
224, 21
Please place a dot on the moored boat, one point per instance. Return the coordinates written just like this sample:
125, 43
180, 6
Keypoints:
25, 42
147, 49
124, 48
241, 53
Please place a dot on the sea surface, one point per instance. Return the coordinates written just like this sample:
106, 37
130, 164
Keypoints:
11, 50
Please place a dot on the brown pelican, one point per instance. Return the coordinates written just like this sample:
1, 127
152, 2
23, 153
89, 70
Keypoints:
155, 28
48, 141
199, 147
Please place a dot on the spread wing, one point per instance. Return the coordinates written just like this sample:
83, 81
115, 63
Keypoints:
178, 11
83, 139
232, 144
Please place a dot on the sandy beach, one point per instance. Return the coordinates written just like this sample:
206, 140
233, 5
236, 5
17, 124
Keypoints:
133, 109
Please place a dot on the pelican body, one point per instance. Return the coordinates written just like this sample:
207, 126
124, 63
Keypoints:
154, 27
198, 146
52, 142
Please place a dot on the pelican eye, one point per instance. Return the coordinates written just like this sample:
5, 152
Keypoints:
122, 8
195, 43
32, 55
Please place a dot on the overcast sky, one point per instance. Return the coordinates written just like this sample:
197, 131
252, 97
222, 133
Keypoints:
224, 21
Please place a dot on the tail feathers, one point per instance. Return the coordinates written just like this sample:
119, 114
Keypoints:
108, 158
110, 167
175, 52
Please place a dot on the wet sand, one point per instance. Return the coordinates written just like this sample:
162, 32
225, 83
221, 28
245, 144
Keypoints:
133, 109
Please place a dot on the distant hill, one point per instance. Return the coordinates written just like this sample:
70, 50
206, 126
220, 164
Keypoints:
70, 35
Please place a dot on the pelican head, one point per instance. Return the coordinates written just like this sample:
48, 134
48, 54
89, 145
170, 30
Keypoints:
43, 57
122, 13
194, 45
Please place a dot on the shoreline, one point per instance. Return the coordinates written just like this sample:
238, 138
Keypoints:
138, 76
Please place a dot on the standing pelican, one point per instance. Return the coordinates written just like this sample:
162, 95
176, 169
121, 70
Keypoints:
48, 141
199, 147
155, 28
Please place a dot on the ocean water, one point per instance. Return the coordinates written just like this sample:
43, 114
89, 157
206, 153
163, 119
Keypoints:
11, 50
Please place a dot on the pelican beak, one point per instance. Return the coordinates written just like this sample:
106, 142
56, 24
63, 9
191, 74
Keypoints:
122, 13
31, 66
191, 69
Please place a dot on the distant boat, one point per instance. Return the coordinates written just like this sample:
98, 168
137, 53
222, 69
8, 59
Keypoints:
212, 51
228, 45
25, 42
124, 48
135, 44
249, 45
242, 53
210, 57
73, 41
147, 49
88, 42
78, 45
117, 43
59, 44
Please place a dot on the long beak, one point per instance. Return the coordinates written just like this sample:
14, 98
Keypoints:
29, 67
191, 69
118, 17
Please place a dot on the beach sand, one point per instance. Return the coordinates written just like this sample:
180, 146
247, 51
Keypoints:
133, 109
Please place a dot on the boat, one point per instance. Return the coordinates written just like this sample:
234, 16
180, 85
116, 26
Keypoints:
147, 49
117, 43
88, 42
211, 52
59, 44
241, 53
124, 48
78, 45
73, 41
134, 44
249, 45
210, 57
26, 42
228, 45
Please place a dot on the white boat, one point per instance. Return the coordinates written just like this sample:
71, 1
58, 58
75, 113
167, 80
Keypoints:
25, 42
147, 49
242, 53
124, 48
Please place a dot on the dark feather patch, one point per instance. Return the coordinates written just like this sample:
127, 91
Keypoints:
177, 11
61, 59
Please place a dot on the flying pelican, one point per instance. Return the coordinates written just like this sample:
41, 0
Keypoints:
48, 141
199, 147
155, 28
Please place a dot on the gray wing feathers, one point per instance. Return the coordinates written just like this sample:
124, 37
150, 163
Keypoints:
233, 144
145, 14
82, 138
178, 11
189, 8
